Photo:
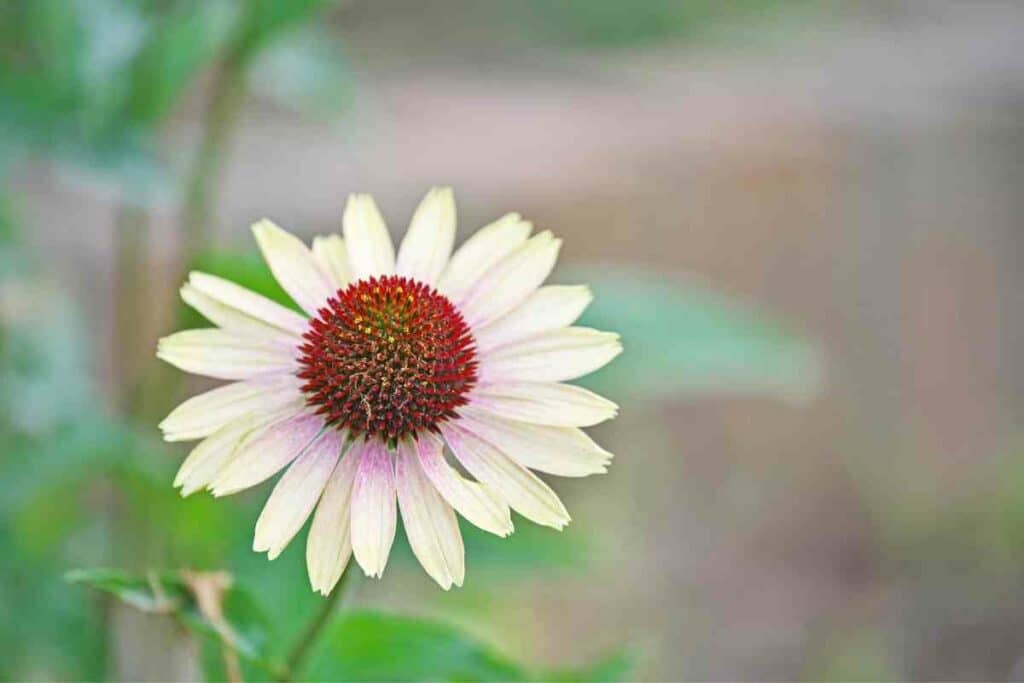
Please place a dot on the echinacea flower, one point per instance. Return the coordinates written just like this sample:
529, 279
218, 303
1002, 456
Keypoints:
397, 359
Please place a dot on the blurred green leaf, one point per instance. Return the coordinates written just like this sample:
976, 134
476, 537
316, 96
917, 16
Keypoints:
244, 627
367, 646
616, 667
682, 338
177, 45
609, 23
266, 20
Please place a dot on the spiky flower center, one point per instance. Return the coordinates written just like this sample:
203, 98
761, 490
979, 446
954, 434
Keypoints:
388, 357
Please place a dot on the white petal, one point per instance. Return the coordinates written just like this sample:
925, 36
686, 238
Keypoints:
296, 494
430, 522
477, 502
248, 302
264, 453
428, 244
480, 252
544, 403
370, 251
556, 356
204, 414
213, 453
293, 266
220, 354
373, 507
563, 451
548, 308
231, 319
332, 257
511, 281
329, 545
523, 490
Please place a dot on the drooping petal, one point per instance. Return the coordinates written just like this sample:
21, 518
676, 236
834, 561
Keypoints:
373, 507
331, 255
223, 355
477, 502
524, 491
430, 523
329, 546
265, 453
204, 414
544, 403
215, 451
428, 244
480, 253
233, 320
248, 302
512, 280
549, 308
297, 493
370, 250
556, 356
293, 266
563, 451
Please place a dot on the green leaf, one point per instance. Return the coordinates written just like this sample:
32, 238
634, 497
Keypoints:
174, 594
682, 338
368, 646
616, 667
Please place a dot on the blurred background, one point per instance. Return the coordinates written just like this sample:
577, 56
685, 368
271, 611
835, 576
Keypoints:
805, 219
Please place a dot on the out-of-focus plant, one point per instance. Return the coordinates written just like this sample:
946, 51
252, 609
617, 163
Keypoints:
607, 23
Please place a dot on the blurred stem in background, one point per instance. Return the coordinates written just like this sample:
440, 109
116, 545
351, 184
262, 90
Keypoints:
226, 97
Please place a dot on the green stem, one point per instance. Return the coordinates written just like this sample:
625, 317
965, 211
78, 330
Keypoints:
226, 97
314, 629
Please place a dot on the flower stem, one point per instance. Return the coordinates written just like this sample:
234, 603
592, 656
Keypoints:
300, 651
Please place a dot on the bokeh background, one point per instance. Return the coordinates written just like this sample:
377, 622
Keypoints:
805, 219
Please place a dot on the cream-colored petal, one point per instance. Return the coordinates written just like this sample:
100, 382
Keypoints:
329, 546
556, 356
231, 319
297, 493
248, 302
373, 507
480, 253
477, 502
213, 453
430, 523
264, 453
370, 250
220, 354
428, 244
202, 415
524, 491
544, 403
511, 281
293, 267
549, 308
331, 255
563, 451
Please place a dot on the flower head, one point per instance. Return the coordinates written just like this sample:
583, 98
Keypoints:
399, 364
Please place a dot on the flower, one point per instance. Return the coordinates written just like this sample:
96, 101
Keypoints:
395, 359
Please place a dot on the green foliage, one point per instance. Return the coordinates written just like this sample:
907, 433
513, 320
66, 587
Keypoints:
366, 646
238, 622
682, 338
90, 81
608, 23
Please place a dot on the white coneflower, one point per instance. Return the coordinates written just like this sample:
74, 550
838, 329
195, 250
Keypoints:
399, 358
